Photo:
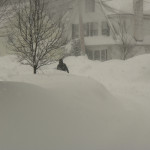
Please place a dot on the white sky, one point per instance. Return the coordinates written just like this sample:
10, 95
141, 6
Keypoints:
127, 5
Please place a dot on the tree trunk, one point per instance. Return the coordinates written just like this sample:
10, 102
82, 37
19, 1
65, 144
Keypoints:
81, 28
124, 54
34, 69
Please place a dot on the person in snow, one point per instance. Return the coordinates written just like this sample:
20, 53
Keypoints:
62, 66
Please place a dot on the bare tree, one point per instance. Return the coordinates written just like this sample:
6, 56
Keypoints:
4, 10
126, 40
36, 36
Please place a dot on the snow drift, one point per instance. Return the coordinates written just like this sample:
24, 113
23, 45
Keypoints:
128, 79
71, 116
56, 110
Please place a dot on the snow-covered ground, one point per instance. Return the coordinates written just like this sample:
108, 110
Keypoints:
98, 106
125, 79
64, 117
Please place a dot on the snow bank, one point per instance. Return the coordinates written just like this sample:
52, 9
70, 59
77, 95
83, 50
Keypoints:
126, 79
129, 79
10, 67
79, 114
71, 112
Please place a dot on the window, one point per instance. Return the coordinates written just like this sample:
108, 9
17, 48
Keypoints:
103, 55
105, 28
91, 29
89, 5
86, 29
94, 29
97, 55
90, 54
75, 31
100, 55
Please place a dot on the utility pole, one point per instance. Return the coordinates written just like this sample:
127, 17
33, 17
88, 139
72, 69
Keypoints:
109, 22
138, 20
81, 29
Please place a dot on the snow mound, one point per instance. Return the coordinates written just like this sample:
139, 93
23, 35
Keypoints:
83, 117
56, 110
10, 67
125, 79
128, 79
68, 117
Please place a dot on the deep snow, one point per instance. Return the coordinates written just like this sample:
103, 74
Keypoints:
76, 113
126, 79
107, 108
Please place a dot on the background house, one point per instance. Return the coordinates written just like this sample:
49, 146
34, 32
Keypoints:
101, 30
100, 26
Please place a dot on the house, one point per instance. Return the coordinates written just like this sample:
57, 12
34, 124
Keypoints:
102, 35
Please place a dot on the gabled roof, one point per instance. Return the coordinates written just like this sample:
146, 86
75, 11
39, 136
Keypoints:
108, 40
124, 6
100, 40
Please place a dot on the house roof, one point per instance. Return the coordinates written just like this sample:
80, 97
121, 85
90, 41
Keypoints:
99, 40
124, 6
108, 40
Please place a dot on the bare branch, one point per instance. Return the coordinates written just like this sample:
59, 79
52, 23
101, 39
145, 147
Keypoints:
126, 41
35, 36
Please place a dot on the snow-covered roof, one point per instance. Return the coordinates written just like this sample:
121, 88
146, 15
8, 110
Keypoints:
124, 6
99, 40
104, 40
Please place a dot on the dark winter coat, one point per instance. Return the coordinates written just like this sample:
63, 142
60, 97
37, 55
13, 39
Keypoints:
62, 66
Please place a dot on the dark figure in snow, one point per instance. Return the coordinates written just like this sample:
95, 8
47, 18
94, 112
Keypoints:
62, 66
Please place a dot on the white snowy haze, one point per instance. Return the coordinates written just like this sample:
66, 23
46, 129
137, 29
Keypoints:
126, 6
97, 106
